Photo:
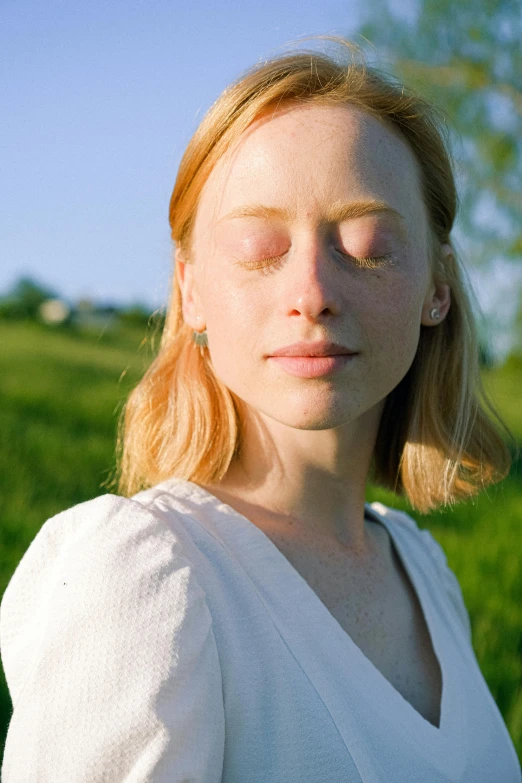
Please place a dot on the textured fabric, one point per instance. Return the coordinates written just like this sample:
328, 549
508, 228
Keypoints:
165, 638
109, 654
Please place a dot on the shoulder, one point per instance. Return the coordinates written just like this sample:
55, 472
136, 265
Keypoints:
101, 530
107, 644
420, 537
101, 537
110, 563
427, 544
410, 527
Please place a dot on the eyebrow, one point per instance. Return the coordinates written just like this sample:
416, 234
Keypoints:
336, 213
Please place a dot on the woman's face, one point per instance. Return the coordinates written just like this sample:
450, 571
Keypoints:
285, 226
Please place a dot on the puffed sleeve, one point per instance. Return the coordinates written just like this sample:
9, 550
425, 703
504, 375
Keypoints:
109, 654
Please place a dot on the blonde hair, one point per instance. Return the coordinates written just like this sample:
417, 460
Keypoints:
435, 444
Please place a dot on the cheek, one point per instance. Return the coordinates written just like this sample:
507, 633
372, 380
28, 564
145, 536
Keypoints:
394, 329
232, 305
236, 323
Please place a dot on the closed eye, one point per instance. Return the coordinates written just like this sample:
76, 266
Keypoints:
266, 266
269, 265
370, 262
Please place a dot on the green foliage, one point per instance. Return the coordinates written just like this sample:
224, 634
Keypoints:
22, 303
60, 393
137, 315
24, 299
467, 59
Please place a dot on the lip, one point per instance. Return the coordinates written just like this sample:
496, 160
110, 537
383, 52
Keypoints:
313, 366
313, 349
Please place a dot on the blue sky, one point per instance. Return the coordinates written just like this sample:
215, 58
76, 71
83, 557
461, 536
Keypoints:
99, 100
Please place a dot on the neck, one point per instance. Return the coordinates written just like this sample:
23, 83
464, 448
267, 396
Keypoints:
304, 485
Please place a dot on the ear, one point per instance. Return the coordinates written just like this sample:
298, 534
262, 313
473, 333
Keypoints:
191, 304
438, 296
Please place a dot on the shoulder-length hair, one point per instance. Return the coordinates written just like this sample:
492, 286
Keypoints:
436, 444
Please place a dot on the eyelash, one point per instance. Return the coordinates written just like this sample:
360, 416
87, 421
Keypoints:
376, 262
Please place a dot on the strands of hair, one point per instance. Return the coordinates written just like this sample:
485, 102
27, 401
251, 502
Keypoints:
439, 439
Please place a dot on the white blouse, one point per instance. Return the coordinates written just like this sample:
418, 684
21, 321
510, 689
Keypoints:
165, 638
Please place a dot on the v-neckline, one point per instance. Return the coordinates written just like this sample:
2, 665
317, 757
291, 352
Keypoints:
326, 653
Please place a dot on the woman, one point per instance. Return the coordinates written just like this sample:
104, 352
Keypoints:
241, 613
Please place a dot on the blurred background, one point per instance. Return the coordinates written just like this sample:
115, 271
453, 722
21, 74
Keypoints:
99, 101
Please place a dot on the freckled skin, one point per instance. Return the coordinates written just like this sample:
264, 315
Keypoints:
258, 283
306, 159
308, 450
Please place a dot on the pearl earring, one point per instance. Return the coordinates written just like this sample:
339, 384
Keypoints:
434, 313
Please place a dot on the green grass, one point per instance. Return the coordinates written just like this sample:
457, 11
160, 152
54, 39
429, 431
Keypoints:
60, 393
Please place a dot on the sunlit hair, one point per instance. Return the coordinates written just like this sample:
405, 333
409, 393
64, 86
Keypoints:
436, 444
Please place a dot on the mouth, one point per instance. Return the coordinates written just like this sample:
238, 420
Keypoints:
313, 348
313, 366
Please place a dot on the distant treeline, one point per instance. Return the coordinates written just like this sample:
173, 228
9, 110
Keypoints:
30, 300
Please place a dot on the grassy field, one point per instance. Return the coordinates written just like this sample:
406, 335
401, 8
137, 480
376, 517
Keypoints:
60, 394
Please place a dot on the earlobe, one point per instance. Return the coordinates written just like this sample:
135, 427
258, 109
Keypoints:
437, 305
438, 301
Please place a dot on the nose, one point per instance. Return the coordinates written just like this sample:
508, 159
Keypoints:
313, 287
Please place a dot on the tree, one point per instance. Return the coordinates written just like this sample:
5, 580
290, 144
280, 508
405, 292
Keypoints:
467, 58
24, 299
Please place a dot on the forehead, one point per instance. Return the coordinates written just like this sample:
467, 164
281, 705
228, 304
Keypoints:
304, 157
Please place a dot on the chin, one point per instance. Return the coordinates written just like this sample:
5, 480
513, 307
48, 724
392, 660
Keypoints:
311, 417
303, 410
